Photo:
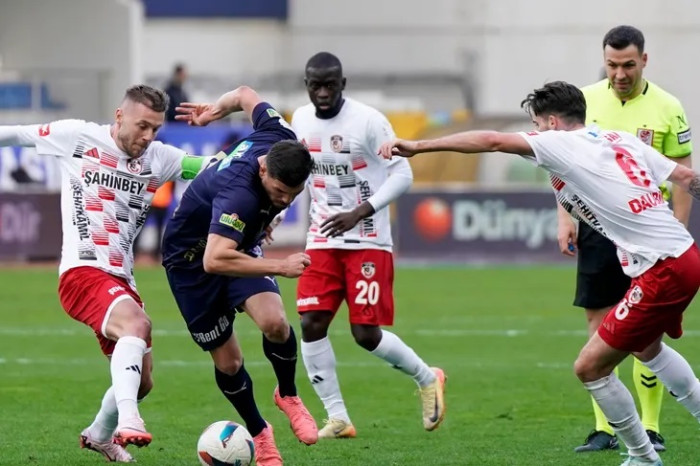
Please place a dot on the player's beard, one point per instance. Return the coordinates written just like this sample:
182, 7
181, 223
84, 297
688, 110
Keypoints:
332, 110
139, 151
131, 148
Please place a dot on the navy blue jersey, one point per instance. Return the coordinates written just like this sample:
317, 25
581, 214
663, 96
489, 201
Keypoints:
227, 199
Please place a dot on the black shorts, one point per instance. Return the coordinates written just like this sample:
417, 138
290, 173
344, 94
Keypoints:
600, 281
209, 302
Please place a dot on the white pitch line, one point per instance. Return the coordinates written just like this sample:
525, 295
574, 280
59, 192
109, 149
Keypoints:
177, 363
157, 362
69, 332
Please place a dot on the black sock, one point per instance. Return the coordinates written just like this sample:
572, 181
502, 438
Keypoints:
283, 357
238, 389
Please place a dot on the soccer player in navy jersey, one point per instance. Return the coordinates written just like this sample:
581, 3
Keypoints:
214, 262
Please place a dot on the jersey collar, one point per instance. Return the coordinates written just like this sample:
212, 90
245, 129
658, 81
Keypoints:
623, 102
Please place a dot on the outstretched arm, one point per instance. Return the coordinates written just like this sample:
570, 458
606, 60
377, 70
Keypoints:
243, 99
687, 178
54, 139
682, 202
19, 135
469, 142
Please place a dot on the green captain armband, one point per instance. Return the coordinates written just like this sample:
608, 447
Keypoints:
192, 165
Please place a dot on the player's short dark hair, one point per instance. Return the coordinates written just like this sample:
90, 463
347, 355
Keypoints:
289, 162
323, 60
558, 98
621, 37
151, 97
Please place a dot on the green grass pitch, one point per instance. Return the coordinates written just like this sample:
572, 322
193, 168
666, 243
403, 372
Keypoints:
507, 338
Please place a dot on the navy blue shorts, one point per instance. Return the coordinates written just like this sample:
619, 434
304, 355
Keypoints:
209, 303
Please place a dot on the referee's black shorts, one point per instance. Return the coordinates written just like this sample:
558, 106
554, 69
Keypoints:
600, 281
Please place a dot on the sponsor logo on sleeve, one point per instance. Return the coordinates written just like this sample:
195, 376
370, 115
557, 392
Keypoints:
684, 136
237, 153
646, 136
241, 149
44, 130
232, 220
272, 113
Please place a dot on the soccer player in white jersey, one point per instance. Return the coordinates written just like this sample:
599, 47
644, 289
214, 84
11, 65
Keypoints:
349, 242
610, 180
109, 175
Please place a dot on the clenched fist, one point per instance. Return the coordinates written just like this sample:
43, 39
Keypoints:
295, 264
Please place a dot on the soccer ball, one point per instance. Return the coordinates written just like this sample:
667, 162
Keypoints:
225, 443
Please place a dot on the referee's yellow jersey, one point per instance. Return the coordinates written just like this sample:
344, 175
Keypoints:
654, 116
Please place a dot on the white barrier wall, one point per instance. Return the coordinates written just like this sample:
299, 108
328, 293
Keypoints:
101, 37
508, 46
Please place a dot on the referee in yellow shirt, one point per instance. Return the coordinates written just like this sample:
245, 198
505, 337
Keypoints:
627, 102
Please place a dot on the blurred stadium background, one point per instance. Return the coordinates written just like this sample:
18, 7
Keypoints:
436, 67
432, 67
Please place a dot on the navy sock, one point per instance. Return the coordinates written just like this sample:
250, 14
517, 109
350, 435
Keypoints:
238, 389
283, 357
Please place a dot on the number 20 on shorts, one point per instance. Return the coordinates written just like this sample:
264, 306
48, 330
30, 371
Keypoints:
368, 294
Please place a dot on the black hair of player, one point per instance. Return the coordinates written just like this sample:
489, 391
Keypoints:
621, 37
289, 161
324, 60
557, 98
151, 97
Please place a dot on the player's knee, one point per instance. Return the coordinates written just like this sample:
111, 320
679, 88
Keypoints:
231, 366
128, 320
587, 371
140, 326
579, 369
276, 330
314, 326
368, 342
133, 324
367, 337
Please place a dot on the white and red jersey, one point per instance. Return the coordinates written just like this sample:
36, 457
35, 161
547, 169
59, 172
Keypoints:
105, 194
347, 171
610, 180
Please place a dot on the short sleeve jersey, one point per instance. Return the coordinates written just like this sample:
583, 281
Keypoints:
656, 117
610, 180
105, 194
347, 171
228, 198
